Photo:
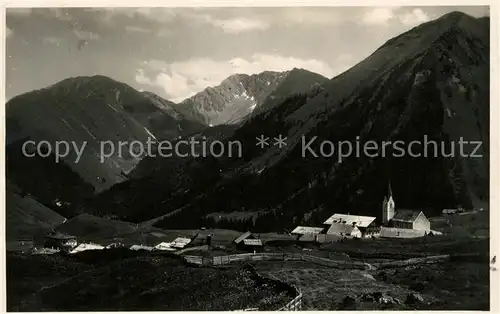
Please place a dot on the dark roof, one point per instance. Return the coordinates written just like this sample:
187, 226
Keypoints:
408, 215
243, 237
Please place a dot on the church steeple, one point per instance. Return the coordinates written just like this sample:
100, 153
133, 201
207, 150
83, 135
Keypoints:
388, 206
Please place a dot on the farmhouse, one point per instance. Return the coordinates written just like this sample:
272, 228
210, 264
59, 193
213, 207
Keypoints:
86, 247
248, 241
180, 243
246, 235
164, 246
344, 230
364, 224
254, 245
300, 230
307, 233
137, 247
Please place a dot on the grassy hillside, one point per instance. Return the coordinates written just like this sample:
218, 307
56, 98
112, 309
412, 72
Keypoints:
134, 283
26, 218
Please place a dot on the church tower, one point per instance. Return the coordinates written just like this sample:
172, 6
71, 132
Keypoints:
388, 207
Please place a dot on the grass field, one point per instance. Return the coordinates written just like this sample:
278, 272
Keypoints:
452, 286
142, 282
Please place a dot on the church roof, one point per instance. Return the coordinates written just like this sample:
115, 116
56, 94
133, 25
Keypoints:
361, 221
407, 215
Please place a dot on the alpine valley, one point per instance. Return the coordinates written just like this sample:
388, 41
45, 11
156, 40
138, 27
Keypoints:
432, 80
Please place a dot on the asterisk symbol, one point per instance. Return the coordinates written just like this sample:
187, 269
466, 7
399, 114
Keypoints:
262, 141
280, 141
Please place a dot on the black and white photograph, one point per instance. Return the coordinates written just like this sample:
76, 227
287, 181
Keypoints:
248, 158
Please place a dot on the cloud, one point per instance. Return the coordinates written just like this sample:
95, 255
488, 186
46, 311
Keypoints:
238, 25
237, 22
378, 16
51, 40
8, 32
161, 15
308, 16
59, 14
180, 80
415, 17
137, 29
85, 35
18, 11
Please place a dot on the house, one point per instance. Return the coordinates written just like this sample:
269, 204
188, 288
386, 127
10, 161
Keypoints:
164, 246
252, 244
86, 247
344, 230
180, 243
137, 247
306, 233
246, 235
300, 230
248, 241
327, 238
365, 224
114, 245
60, 241
307, 237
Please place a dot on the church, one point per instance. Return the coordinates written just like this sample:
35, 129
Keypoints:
403, 218
400, 223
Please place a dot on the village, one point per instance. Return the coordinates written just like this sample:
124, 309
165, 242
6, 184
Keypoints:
399, 260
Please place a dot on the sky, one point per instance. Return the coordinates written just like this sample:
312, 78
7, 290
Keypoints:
177, 52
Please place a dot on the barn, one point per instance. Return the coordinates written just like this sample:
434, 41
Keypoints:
364, 224
246, 235
344, 230
61, 241
254, 245
301, 230
249, 242
306, 233
180, 243
86, 247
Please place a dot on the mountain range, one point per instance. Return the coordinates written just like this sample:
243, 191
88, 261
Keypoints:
240, 95
430, 81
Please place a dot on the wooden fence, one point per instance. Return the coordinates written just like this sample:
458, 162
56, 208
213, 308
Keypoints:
413, 261
294, 305
342, 264
227, 259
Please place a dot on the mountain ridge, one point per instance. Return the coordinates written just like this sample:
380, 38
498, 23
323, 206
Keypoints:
237, 96
399, 98
93, 109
